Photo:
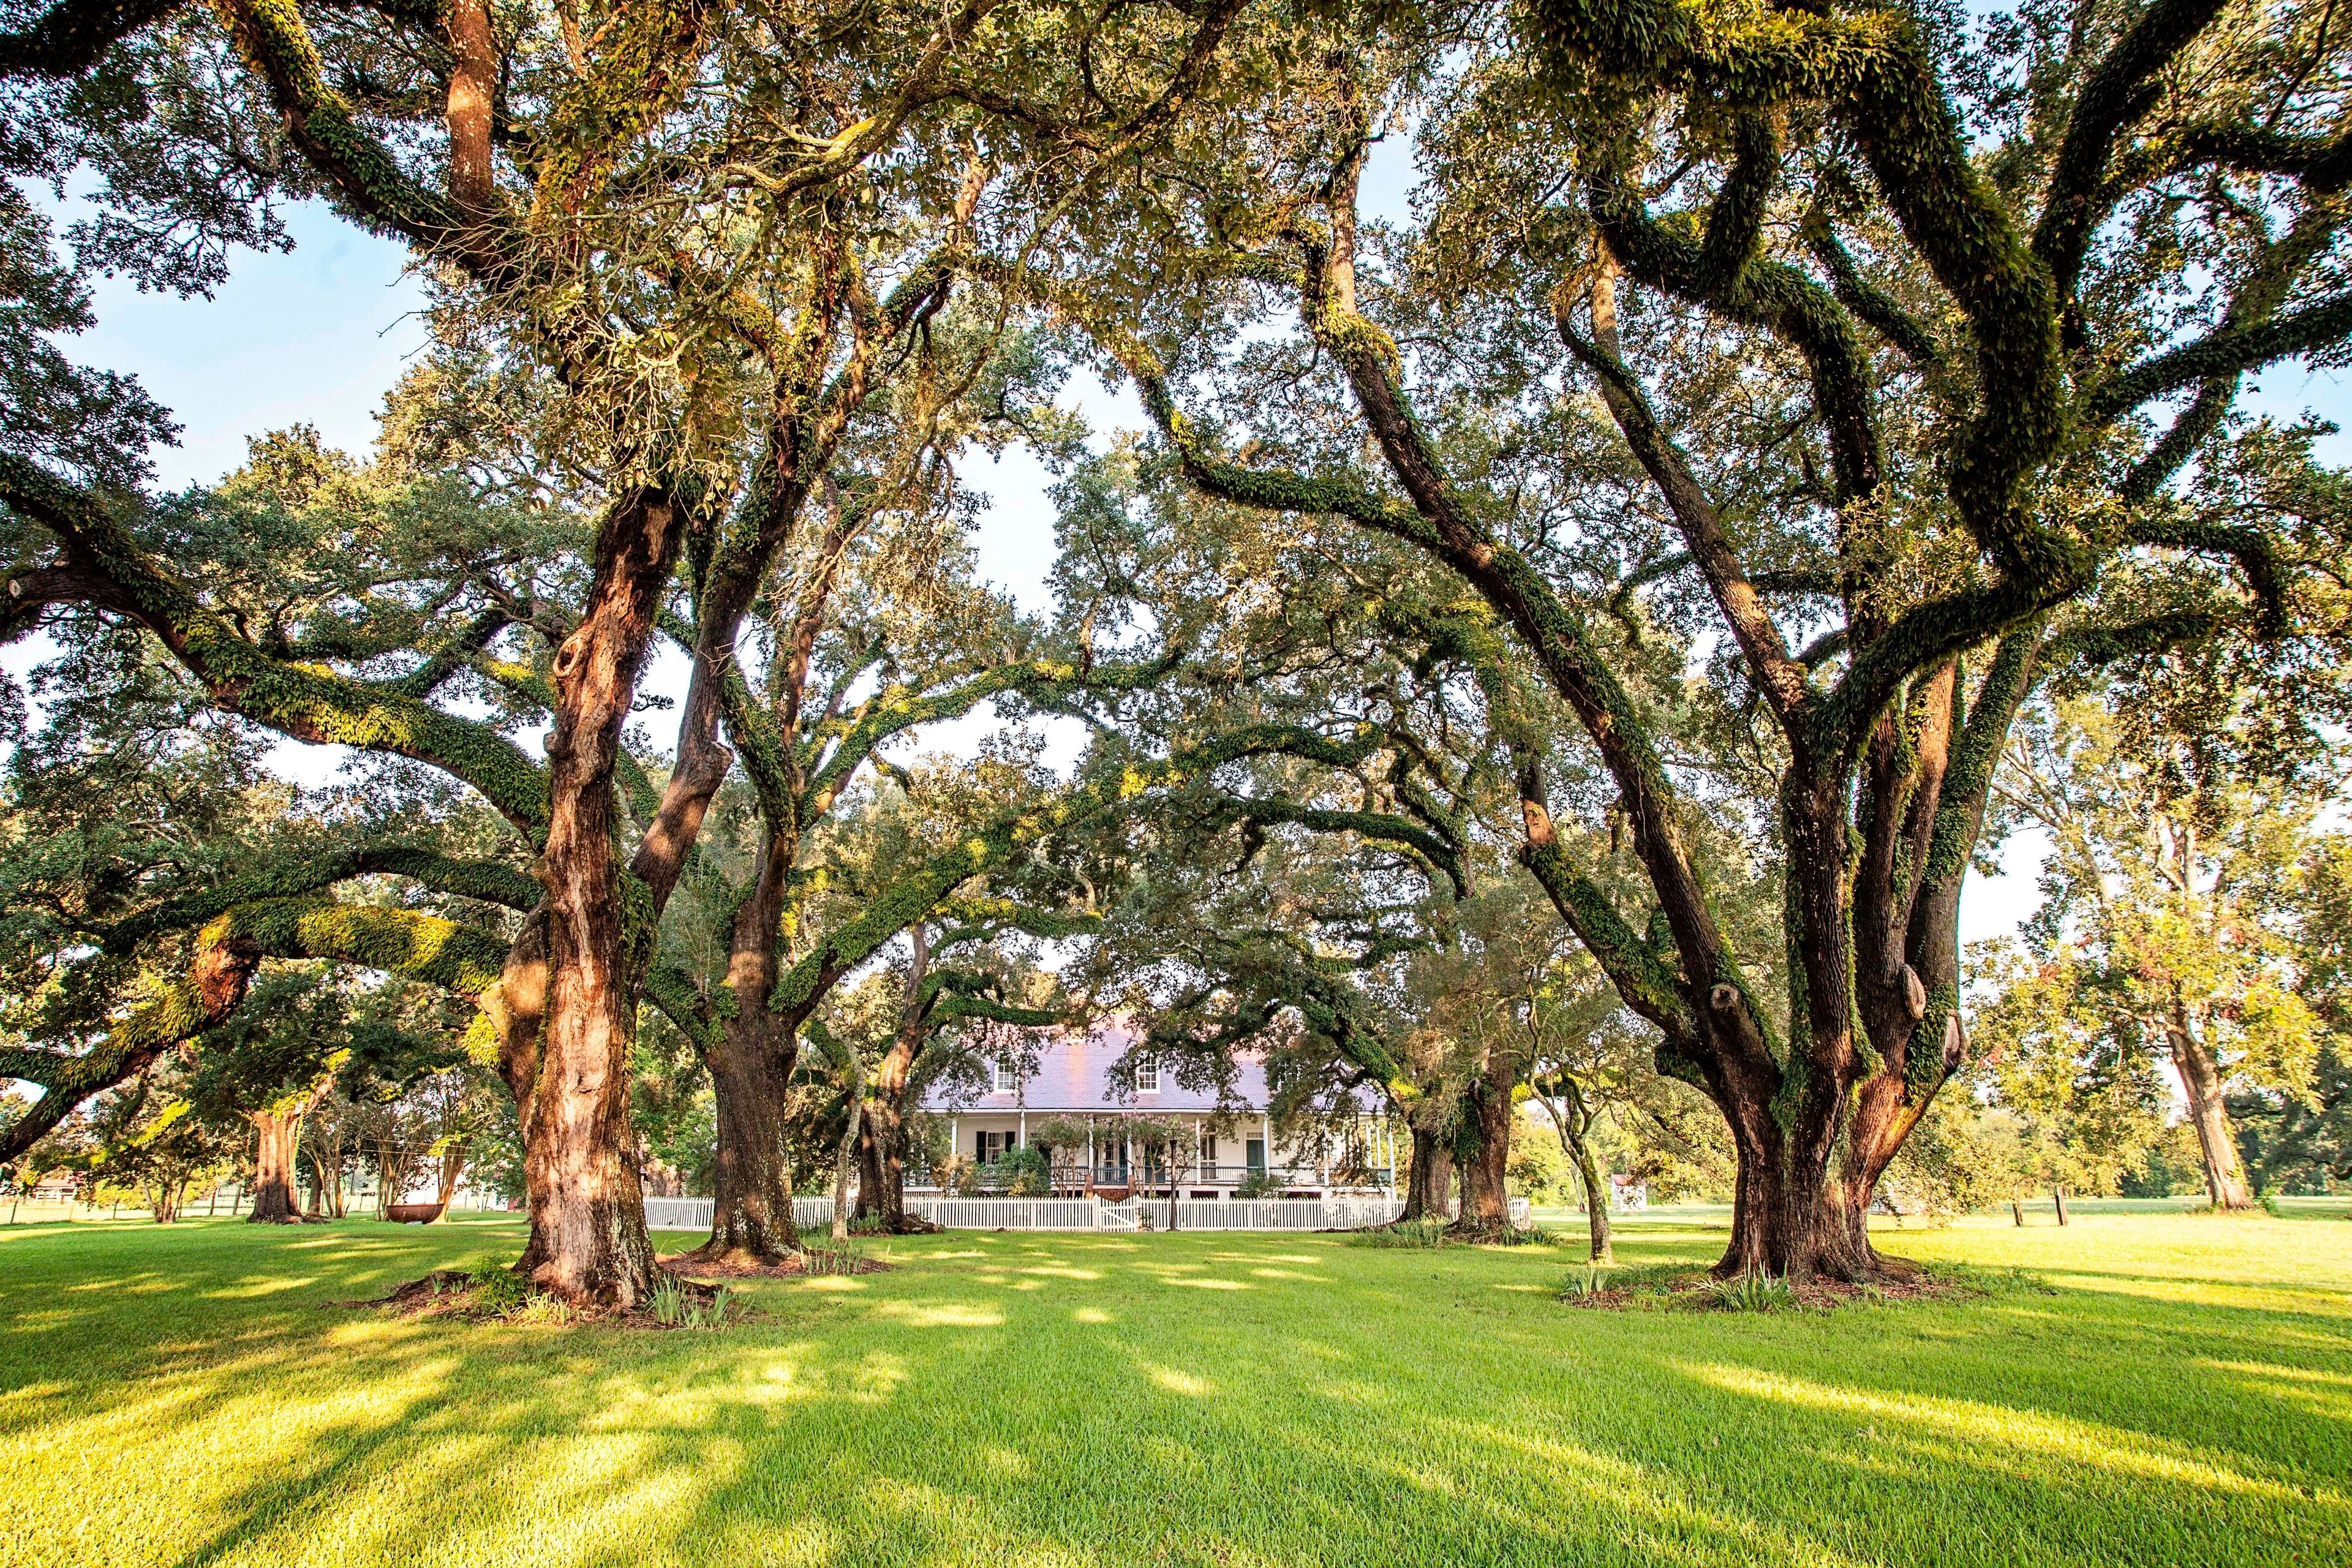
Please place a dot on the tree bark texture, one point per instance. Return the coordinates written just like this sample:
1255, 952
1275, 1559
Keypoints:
1484, 1153
588, 1240
2209, 1113
750, 1072
1429, 1180
275, 1135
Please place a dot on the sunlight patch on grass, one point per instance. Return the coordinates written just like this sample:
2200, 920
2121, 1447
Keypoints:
1981, 1429
1183, 1382
1380, 1406
941, 1314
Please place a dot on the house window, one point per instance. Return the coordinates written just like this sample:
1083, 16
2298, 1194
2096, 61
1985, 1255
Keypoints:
1005, 1079
1208, 1155
1147, 1078
1255, 1152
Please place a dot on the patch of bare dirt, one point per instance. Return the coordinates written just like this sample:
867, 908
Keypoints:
696, 1266
1696, 1290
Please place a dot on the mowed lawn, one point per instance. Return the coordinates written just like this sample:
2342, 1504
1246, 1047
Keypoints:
2179, 1393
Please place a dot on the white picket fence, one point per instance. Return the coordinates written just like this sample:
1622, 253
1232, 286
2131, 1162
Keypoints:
1076, 1214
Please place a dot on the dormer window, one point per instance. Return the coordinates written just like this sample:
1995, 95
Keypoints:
1147, 1078
1003, 1078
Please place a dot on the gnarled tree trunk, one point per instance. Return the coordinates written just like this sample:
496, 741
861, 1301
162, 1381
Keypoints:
1429, 1179
588, 1240
1483, 1150
882, 1183
751, 1070
275, 1132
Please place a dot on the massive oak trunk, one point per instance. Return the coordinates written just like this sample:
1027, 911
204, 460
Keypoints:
751, 1215
278, 1139
1483, 1150
275, 1135
1429, 1180
750, 1072
882, 1178
588, 1240
2209, 1113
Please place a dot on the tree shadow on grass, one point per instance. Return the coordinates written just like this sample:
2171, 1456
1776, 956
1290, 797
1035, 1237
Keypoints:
1019, 1400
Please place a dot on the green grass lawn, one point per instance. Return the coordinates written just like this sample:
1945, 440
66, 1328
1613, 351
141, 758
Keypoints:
2182, 1393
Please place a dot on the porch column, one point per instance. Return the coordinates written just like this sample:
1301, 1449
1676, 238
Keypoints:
1090, 1156
1266, 1130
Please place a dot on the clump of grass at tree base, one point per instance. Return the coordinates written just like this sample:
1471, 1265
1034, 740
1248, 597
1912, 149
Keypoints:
677, 1305
832, 1257
1756, 1292
197, 1357
499, 1292
499, 1289
1403, 1233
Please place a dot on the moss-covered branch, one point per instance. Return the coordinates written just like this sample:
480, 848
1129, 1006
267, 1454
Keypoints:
484, 879
1873, 71
304, 702
2119, 90
2226, 351
1439, 854
405, 943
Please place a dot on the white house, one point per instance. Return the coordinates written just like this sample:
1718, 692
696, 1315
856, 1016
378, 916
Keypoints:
1230, 1140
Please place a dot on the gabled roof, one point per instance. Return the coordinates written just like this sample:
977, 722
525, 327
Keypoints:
1073, 1073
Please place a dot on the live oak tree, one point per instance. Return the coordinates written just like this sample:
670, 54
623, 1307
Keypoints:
2302, 1141
269, 1065
122, 793
1323, 910
968, 976
572, 180
1908, 362
145, 1139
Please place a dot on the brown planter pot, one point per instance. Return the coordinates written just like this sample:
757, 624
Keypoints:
413, 1213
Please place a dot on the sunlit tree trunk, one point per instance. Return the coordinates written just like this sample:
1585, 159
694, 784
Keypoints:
278, 1137
2208, 1112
